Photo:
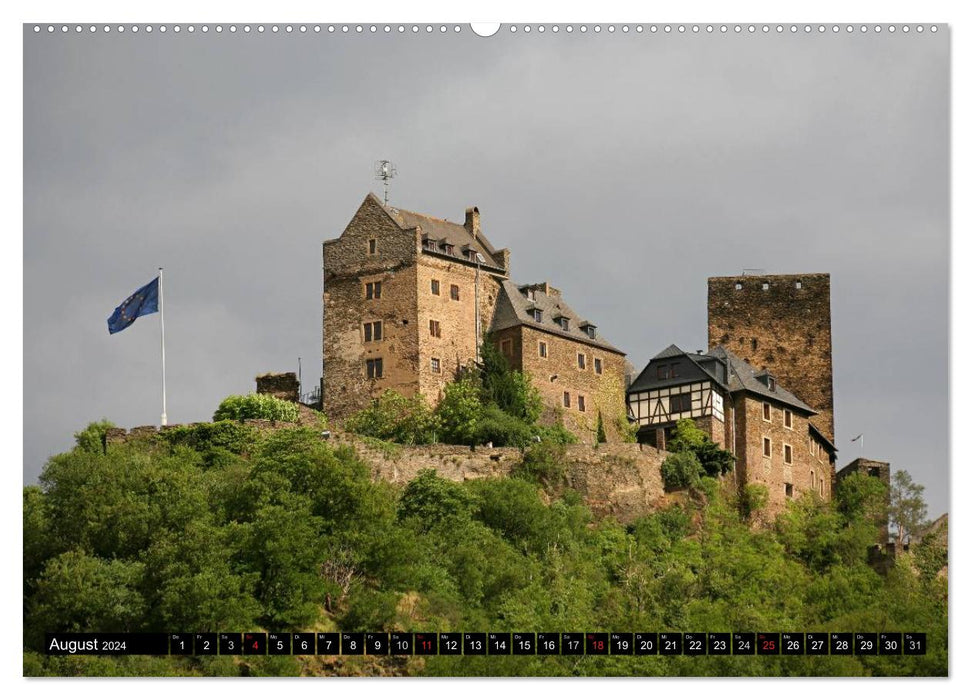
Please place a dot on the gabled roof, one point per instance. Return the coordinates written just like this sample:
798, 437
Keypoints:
743, 376
442, 230
514, 309
740, 376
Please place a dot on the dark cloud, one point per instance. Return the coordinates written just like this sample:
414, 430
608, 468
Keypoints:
625, 169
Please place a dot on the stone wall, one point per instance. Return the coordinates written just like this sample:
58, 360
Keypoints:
807, 472
559, 373
779, 322
621, 479
348, 267
455, 346
283, 385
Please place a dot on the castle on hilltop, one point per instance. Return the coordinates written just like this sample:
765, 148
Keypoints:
408, 298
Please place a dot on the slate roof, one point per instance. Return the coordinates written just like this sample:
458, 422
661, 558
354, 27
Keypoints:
741, 376
513, 309
439, 230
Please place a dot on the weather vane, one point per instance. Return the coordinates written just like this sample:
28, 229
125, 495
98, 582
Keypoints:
384, 170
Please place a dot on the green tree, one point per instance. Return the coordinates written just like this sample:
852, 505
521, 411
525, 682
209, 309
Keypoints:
432, 500
681, 470
460, 412
601, 430
393, 417
92, 438
80, 593
511, 390
907, 511
688, 437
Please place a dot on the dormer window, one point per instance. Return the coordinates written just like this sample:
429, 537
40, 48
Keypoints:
589, 329
563, 322
537, 315
771, 382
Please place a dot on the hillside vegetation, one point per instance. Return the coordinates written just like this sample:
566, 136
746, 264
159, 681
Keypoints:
221, 528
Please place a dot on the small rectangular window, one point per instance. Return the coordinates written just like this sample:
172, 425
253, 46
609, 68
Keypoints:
436, 287
435, 328
372, 331
565, 323
598, 365
581, 361
372, 246
581, 403
766, 447
454, 292
663, 372
372, 290
543, 351
674, 370
537, 315
788, 490
766, 411
680, 403
375, 368
566, 399
787, 418
787, 454
436, 365
505, 347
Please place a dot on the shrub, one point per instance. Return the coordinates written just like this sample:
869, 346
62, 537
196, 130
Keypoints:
395, 418
601, 431
225, 434
261, 406
754, 497
92, 438
542, 464
502, 429
433, 500
510, 390
556, 434
459, 412
688, 437
681, 470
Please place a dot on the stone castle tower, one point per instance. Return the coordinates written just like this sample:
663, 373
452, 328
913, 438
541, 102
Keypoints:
780, 323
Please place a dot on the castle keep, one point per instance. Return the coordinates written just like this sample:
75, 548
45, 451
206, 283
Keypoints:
408, 298
779, 323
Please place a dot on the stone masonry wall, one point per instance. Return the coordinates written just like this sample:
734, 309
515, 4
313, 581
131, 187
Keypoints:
603, 392
348, 267
753, 467
784, 327
621, 479
283, 385
456, 345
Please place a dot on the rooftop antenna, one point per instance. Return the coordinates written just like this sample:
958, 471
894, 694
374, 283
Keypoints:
384, 170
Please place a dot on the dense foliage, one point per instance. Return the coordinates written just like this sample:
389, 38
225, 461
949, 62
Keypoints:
494, 404
693, 455
238, 407
220, 528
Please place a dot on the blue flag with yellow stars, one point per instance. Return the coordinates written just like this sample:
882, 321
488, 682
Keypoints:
141, 303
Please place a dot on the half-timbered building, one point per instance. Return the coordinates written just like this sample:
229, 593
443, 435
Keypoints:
744, 410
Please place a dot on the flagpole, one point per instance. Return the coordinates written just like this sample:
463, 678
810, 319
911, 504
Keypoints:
161, 316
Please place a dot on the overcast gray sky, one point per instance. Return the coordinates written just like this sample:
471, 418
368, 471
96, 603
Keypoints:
625, 169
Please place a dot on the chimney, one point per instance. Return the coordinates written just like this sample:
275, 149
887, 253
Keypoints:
472, 222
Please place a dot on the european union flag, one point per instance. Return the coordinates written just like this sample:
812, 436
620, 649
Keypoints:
141, 303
